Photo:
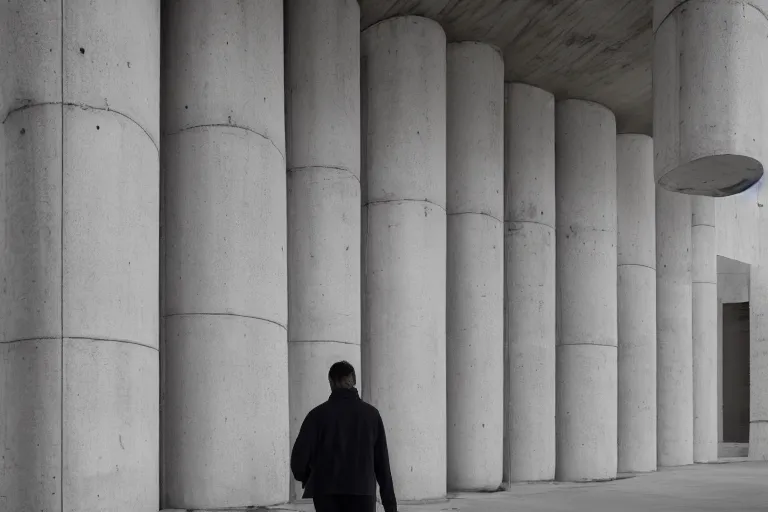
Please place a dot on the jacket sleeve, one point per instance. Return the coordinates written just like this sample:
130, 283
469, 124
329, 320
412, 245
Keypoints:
303, 448
383, 472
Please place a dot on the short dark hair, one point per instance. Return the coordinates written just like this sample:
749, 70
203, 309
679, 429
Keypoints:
342, 373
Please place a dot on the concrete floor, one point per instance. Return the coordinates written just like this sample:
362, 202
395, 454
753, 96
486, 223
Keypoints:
733, 487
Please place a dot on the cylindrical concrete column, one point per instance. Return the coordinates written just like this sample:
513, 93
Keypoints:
704, 328
674, 345
79, 203
404, 244
475, 287
636, 193
709, 140
529, 257
323, 128
586, 284
226, 405
758, 337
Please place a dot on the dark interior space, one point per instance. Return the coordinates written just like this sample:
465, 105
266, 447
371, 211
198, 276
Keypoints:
736, 372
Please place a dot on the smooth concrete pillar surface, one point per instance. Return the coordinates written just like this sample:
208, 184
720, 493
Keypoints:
226, 403
758, 338
704, 328
323, 125
587, 291
79, 201
404, 246
720, 368
674, 338
475, 286
636, 303
529, 259
709, 105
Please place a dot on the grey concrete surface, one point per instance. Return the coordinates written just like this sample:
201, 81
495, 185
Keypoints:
704, 328
226, 420
587, 337
598, 50
404, 245
674, 339
79, 238
720, 44
636, 197
758, 337
530, 295
323, 144
475, 286
735, 486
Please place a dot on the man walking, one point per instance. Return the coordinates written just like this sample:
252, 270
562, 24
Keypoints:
341, 451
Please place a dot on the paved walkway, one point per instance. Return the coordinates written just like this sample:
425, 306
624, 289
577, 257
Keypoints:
732, 487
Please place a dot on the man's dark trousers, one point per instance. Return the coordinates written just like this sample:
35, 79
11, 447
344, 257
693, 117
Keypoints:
344, 503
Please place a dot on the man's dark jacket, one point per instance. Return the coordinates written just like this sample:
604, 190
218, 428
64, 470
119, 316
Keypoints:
342, 449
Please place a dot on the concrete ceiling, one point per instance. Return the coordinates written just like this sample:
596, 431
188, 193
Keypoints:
599, 50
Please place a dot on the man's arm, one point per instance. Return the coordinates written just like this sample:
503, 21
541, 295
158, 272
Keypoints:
303, 448
383, 472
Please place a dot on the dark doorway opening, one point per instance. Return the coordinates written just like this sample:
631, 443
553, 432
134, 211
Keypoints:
736, 372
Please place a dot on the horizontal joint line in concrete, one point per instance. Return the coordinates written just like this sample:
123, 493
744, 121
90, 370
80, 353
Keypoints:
704, 282
384, 201
325, 341
530, 222
636, 265
704, 225
112, 340
334, 167
586, 345
758, 421
235, 315
83, 106
39, 338
80, 338
228, 125
478, 213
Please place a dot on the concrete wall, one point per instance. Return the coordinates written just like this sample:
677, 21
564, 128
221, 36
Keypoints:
758, 328
732, 280
736, 225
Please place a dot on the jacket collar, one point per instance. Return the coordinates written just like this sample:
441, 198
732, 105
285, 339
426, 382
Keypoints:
340, 394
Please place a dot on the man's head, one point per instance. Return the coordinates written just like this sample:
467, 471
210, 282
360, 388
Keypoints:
342, 376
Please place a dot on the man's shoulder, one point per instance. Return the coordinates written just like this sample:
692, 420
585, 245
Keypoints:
370, 409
